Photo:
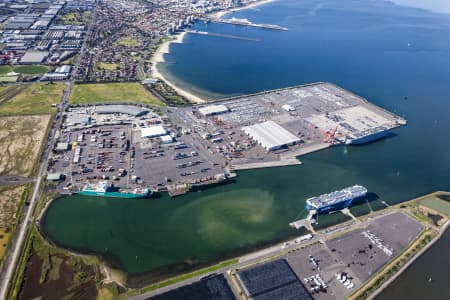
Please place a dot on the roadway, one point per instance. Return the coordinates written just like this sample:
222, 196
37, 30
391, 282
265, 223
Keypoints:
11, 260
24, 224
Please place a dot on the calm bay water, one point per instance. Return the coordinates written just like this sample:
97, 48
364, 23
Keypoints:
414, 284
397, 57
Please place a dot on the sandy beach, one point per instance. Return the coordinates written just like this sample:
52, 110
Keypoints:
253, 4
165, 48
159, 57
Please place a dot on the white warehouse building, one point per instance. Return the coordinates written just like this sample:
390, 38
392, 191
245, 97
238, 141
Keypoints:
270, 135
153, 131
214, 109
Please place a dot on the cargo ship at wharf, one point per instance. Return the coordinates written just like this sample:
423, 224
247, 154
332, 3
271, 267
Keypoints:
199, 184
103, 189
368, 136
328, 203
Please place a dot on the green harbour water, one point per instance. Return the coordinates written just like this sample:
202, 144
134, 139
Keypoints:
397, 57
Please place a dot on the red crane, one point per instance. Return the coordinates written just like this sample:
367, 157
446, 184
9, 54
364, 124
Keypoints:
329, 138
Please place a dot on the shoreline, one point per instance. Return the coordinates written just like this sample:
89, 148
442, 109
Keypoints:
419, 254
220, 14
158, 56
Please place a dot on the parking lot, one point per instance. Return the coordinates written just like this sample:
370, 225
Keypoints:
138, 145
345, 262
310, 112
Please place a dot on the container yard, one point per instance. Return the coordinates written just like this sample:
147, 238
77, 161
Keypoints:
182, 148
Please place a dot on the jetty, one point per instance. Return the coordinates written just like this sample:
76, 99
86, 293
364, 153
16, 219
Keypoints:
228, 36
246, 22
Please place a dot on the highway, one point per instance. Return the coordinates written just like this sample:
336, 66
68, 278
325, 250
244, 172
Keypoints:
18, 241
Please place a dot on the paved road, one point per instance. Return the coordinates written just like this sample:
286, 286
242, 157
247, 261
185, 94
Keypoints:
24, 225
13, 180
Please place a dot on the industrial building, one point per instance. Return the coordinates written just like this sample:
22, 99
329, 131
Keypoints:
270, 135
54, 176
211, 110
166, 139
62, 147
73, 119
34, 57
288, 107
153, 131
121, 109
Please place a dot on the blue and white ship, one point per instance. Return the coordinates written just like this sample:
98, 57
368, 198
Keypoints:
367, 136
102, 188
337, 200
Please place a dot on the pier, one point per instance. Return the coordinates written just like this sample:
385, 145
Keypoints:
246, 22
228, 36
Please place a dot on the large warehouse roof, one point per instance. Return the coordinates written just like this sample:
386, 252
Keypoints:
122, 109
270, 135
31, 57
213, 109
153, 131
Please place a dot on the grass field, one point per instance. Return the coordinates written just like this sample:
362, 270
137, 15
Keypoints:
112, 92
26, 70
76, 18
35, 100
437, 205
31, 70
5, 69
8, 78
128, 42
107, 66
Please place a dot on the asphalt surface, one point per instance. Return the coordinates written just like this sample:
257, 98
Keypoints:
329, 261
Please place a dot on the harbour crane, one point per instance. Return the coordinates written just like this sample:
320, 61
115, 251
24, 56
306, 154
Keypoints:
329, 138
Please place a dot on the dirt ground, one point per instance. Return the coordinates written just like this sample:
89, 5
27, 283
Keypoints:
10, 198
20, 141
56, 277
4, 238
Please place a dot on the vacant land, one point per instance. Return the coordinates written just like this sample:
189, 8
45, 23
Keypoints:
51, 273
36, 99
112, 92
9, 92
4, 239
75, 18
10, 199
20, 141
436, 204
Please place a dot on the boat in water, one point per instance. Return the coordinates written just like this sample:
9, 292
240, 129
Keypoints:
103, 189
367, 136
328, 203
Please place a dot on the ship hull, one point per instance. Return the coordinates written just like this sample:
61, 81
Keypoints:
333, 207
114, 194
368, 138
